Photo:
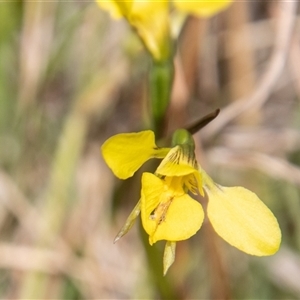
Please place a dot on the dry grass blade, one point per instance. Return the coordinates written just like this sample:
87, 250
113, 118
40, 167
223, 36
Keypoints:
260, 94
273, 166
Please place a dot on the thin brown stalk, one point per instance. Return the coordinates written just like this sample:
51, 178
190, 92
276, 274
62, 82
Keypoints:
241, 68
260, 94
273, 166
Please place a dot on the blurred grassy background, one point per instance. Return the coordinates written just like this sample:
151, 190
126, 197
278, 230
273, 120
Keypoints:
70, 77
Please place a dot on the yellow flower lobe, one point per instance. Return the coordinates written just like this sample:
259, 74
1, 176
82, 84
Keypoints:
243, 220
126, 152
167, 212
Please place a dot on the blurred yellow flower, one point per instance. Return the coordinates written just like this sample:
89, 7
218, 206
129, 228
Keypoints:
168, 211
151, 19
201, 8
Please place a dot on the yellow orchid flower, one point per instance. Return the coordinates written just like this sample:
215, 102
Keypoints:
202, 8
168, 212
151, 19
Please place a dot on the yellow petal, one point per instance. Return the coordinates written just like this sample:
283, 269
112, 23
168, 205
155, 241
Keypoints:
124, 153
243, 220
181, 161
169, 255
151, 20
152, 189
201, 8
177, 163
194, 184
179, 216
183, 219
117, 9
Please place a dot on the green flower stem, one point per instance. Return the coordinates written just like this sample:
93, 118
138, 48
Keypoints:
164, 287
161, 80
